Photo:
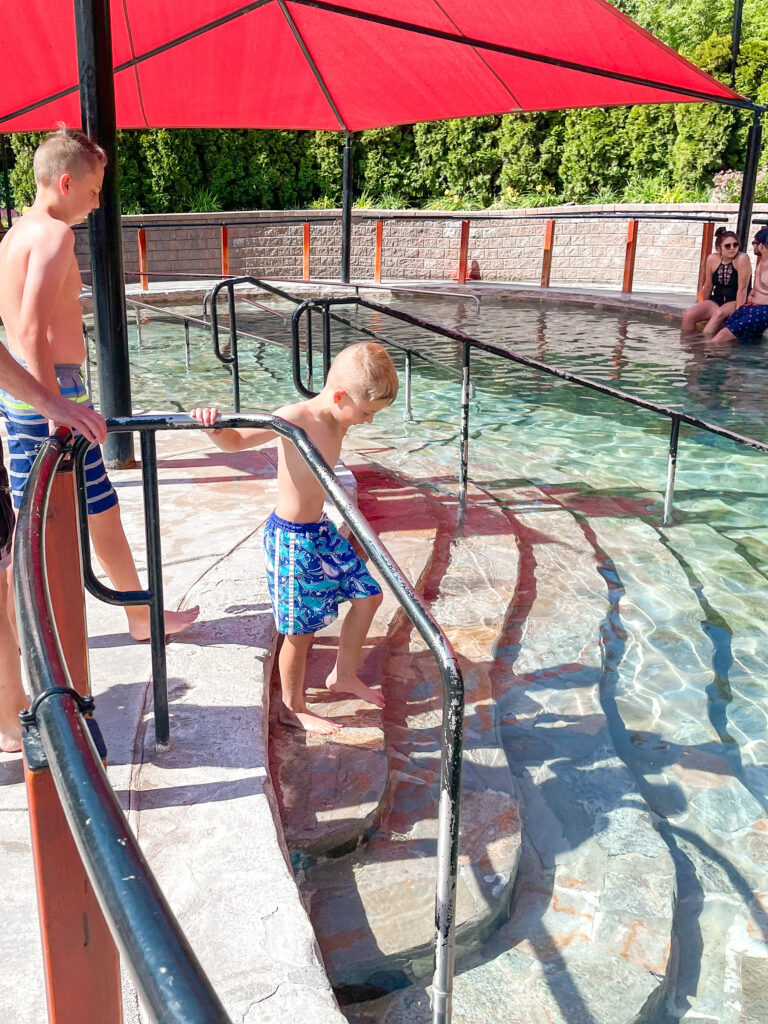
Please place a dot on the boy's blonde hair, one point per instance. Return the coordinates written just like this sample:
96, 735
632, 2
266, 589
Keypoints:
365, 372
66, 152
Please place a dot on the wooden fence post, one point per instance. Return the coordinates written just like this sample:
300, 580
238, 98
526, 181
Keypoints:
377, 263
463, 250
307, 228
224, 251
142, 243
80, 959
707, 236
629, 258
546, 261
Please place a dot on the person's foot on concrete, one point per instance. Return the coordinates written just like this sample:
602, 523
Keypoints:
175, 622
354, 686
10, 736
306, 721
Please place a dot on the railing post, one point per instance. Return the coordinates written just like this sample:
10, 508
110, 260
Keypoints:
80, 959
463, 250
143, 272
629, 258
186, 344
307, 228
546, 260
464, 441
408, 415
155, 581
707, 235
377, 262
233, 346
674, 434
138, 330
224, 239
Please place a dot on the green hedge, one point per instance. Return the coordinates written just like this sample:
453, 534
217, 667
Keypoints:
649, 153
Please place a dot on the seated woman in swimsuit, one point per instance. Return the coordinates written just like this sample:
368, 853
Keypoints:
729, 272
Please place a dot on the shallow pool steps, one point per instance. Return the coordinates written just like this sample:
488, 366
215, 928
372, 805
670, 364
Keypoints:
373, 911
589, 934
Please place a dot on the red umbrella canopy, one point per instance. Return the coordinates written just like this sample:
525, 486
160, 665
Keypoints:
359, 64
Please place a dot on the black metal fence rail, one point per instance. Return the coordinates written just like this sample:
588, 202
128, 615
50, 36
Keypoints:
168, 975
468, 344
95, 830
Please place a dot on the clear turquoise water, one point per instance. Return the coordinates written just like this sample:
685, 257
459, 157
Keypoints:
517, 416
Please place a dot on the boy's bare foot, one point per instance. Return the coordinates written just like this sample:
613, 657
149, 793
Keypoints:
175, 622
306, 721
355, 686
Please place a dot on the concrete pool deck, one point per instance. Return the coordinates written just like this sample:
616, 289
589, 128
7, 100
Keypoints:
669, 303
237, 901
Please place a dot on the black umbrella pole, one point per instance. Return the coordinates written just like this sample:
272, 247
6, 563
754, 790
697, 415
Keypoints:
750, 178
97, 108
6, 180
346, 210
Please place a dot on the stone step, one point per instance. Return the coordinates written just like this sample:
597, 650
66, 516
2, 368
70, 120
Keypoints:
373, 911
330, 789
589, 934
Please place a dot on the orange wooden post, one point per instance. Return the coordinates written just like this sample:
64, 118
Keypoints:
707, 237
463, 250
224, 250
65, 577
142, 241
546, 261
80, 959
629, 258
377, 265
307, 229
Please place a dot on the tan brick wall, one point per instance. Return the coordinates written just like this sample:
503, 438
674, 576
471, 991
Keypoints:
416, 245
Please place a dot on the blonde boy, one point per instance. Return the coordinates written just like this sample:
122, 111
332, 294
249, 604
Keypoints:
310, 567
39, 304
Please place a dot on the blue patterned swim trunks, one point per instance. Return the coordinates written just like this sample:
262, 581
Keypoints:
27, 429
311, 569
748, 322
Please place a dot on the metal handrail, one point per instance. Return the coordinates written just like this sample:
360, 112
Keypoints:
468, 343
171, 982
233, 359
45, 665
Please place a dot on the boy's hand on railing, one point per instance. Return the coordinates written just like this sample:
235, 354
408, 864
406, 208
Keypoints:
207, 416
62, 412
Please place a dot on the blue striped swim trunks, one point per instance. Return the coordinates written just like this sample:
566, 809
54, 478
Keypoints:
27, 429
311, 569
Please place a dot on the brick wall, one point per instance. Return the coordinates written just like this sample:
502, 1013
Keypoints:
424, 246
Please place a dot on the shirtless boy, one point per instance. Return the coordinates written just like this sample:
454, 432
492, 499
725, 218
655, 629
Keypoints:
750, 320
310, 567
39, 304
15, 380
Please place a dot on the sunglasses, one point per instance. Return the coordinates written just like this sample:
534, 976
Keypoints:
730, 245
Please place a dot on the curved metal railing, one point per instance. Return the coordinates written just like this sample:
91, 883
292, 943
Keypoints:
233, 360
168, 975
